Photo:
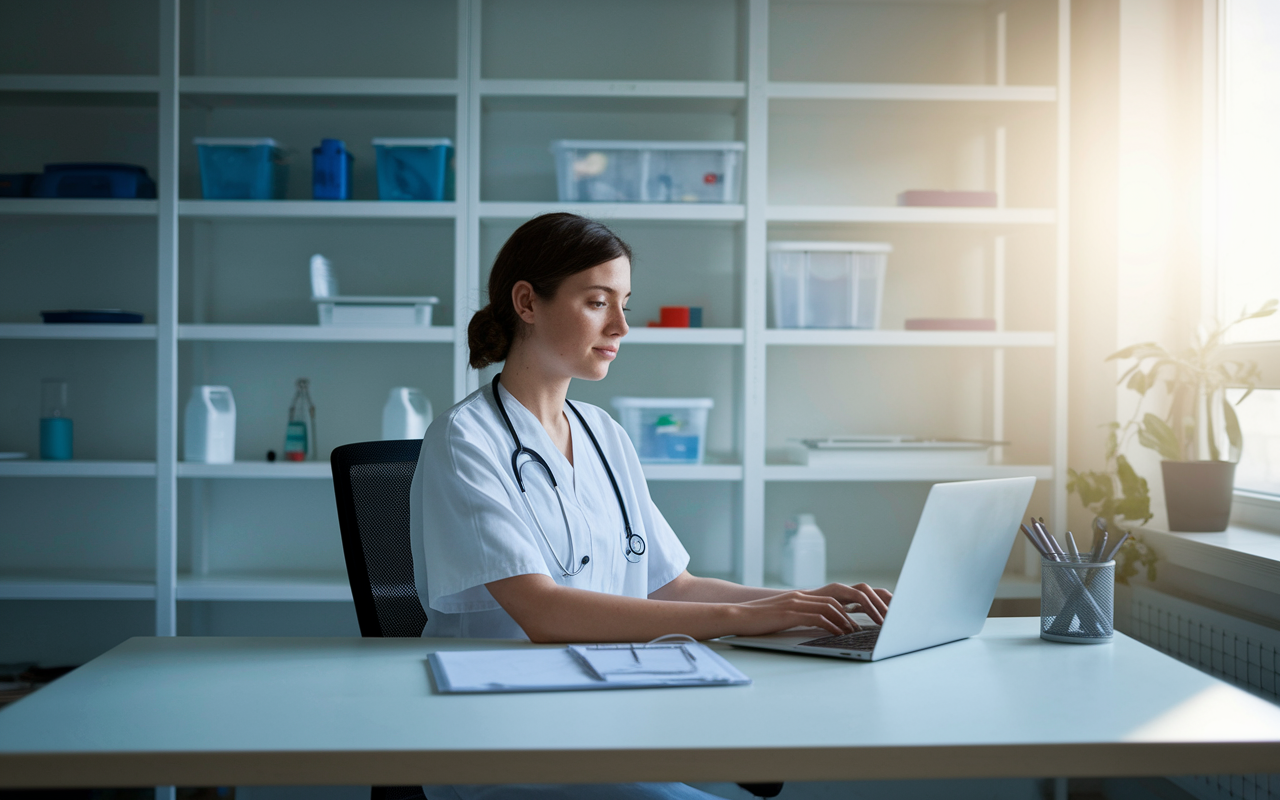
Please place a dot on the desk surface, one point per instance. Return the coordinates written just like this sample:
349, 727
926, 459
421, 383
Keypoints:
219, 711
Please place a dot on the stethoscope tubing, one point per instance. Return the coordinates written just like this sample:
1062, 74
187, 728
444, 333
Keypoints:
634, 542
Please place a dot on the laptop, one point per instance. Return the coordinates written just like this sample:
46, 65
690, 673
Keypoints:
947, 583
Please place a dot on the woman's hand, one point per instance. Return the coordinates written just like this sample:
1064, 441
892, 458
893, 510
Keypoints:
858, 597
791, 610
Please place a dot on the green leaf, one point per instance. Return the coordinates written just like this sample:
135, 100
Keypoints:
1155, 434
1234, 436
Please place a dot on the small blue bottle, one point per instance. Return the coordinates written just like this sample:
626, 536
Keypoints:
331, 170
55, 425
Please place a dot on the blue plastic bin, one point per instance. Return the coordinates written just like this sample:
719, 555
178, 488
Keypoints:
414, 169
331, 170
94, 181
242, 169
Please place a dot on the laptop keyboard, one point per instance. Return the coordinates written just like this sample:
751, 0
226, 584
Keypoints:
864, 639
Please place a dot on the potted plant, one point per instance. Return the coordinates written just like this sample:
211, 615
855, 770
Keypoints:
1198, 437
1118, 497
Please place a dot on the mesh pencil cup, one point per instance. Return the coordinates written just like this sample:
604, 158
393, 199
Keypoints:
1077, 600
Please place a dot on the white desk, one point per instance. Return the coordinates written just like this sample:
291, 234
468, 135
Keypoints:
221, 711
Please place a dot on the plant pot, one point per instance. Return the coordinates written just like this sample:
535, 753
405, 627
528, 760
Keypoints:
1197, 494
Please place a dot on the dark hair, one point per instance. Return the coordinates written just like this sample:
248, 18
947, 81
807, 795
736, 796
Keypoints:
543, 251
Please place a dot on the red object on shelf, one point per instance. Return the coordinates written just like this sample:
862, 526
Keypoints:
673, 317
950, 324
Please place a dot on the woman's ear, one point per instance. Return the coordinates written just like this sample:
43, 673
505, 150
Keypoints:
522, 295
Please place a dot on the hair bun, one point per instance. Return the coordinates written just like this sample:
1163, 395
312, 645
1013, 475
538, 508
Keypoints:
486, 338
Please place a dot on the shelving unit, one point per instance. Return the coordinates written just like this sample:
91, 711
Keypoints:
226, 299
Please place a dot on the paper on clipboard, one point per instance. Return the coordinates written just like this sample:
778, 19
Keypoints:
582, 667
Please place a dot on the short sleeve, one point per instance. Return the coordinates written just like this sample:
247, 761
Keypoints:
667, 556
469, 531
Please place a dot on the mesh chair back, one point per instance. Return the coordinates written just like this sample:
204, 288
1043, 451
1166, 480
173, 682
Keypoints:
371, 484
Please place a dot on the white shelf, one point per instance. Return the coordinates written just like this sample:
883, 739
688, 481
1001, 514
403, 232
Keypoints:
265, 587
77, 585
1012, 587
570, 88
257, 469
801, 472
692, 472
639, 335
912, 215
80, 83
66, 206
313, 333
318, 87
861, 338
677, 212
912, 92
35, 468
313, 209
36, 330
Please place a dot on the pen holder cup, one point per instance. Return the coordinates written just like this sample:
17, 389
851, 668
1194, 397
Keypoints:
1077, 600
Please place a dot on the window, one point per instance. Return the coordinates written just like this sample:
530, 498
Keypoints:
1247, 254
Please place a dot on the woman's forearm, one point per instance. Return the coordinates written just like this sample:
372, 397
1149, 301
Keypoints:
548, 612
691, 588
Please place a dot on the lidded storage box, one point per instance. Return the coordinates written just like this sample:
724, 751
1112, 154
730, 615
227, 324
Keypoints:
648, 172
666, 430
827, 284
414, 169
242, 169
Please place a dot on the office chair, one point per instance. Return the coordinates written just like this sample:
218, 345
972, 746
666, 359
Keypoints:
371, 483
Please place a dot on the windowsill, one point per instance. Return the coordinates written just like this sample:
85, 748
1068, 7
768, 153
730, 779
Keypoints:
1245, 555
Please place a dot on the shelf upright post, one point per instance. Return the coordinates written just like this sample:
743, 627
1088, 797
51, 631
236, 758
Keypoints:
1058, 506
750, 550
466, 226
167, 327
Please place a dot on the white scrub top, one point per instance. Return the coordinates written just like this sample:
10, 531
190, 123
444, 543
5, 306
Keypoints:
469, 525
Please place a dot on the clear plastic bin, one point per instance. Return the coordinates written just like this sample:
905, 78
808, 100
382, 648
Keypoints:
827, 284
414, 169
648, 172
666, 430
242, 169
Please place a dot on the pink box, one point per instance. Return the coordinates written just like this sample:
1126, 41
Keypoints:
950, 324
936, 197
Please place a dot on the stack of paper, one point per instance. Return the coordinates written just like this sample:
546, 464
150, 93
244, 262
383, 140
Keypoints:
607, 666
893, 450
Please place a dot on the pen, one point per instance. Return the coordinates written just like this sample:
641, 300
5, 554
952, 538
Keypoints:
1115, 548
1045, 548
1099, 540
1071, 545
1034, 541
1048, 537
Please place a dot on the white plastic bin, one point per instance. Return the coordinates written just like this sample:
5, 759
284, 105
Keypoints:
827, 284
666, 430
648, 172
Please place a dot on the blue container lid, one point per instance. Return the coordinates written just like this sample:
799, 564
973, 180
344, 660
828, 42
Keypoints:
332, 147
235, 141
412, 142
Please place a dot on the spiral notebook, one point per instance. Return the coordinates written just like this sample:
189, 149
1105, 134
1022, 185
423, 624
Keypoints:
581, 667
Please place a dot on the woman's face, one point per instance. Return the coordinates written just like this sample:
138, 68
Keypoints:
576, 333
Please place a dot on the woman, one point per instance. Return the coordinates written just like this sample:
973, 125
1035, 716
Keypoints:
531, 515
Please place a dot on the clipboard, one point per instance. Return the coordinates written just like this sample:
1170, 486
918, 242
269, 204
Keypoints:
582, 667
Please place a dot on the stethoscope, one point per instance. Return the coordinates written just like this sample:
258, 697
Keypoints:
634, 542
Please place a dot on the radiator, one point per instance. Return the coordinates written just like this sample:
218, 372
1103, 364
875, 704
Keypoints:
1236, 650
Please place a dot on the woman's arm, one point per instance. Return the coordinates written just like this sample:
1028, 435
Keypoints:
549, 612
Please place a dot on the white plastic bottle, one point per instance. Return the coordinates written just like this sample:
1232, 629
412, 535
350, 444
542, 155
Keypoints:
406, 414
209, 430
804, 555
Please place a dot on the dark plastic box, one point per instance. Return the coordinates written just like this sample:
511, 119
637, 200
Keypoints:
117, 181
331, 165
17, 184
